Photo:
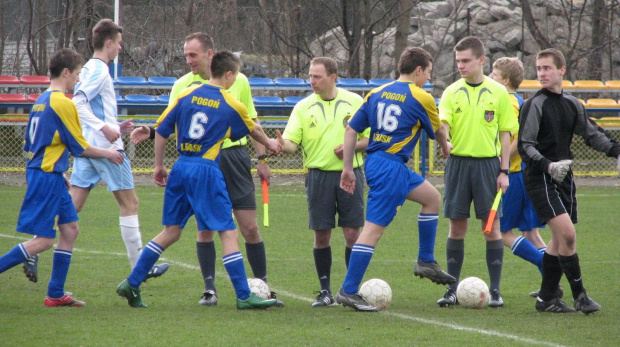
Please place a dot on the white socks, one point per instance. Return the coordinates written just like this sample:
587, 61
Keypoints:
130, 230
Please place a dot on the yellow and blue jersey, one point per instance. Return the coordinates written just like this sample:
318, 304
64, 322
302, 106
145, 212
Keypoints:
516, 101
53, 130
203, 117
396, 113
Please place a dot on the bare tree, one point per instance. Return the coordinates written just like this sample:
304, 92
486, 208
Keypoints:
402, 27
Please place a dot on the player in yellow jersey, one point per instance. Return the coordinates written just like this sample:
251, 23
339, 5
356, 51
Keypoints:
53, 131
477, 113
317, 123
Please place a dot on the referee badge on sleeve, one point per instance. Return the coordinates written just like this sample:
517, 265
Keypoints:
489, 115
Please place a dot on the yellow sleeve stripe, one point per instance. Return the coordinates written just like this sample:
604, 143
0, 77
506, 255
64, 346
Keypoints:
52, 153
214, 151
66, 111
428, 102
240, 108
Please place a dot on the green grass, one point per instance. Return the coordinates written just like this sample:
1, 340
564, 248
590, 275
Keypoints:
174, 317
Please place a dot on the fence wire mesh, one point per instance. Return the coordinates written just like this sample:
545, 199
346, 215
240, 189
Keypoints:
587, 162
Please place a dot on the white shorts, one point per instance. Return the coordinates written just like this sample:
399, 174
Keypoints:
87, 172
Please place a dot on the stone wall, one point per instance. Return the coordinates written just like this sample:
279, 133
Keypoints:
437, 26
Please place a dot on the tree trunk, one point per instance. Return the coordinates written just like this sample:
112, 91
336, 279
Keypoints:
402, 28
599, 26
541, 39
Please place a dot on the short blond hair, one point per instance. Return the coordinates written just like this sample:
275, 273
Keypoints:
512, 69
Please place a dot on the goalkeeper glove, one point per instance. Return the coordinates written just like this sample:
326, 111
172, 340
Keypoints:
559, 169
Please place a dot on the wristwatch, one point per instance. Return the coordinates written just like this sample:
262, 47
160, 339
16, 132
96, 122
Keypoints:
263, 158
505, 171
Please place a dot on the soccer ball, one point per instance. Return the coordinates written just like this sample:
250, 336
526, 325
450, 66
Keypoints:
259, 287
472, 292
377, 293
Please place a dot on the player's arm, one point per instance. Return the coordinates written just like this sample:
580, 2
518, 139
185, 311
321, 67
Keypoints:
160, 176
502, 178
87, 117
259, 135
347, 179
441, 137
113, 156
529, 125
594, 136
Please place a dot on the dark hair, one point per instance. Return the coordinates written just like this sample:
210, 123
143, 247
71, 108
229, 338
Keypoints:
105, 30
473, 43
330, 64
412, 58
512, 69
224, 61
558, 57
206, 41
64, 59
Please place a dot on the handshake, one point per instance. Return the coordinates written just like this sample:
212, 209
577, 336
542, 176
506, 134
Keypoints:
559, 169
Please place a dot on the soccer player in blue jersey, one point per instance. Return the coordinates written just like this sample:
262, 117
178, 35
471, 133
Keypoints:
202, 117
52, 132
396, 113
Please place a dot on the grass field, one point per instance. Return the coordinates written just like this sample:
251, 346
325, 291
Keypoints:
174, 317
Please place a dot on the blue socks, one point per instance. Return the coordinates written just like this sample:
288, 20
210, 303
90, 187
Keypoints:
523, 248
149, 256
15, 256
233, 263
60, 268
427, 230
360, 258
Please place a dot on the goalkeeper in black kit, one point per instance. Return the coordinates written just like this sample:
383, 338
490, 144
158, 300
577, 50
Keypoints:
548, 121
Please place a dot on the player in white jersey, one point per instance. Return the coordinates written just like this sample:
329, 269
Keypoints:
95, 100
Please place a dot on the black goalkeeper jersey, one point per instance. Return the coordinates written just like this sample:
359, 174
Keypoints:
547, 122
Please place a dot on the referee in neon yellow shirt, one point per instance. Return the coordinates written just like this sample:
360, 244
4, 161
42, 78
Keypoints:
478, 115
317, 123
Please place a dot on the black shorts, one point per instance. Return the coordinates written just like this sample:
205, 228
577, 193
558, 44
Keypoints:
551, 199
325, 198
236, 164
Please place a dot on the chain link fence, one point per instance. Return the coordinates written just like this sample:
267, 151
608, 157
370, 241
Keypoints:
587, 162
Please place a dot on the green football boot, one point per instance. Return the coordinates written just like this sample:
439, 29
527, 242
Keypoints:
132, 295
254, 301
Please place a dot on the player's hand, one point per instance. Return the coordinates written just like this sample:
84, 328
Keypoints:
126, 126
110, 134
338, 151
140, 134
67, 182
559, 169
347, 181
274, 146
160, 177
115, 157
445, 152
263, 172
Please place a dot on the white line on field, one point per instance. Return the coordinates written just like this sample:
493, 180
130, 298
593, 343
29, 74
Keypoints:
302, 298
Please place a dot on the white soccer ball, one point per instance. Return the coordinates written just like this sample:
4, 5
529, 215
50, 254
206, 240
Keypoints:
259, 287
472, 292
377, 293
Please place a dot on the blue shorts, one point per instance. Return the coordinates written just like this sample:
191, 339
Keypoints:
46, 197
87, 172
518, 209
390, 181
196, 187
